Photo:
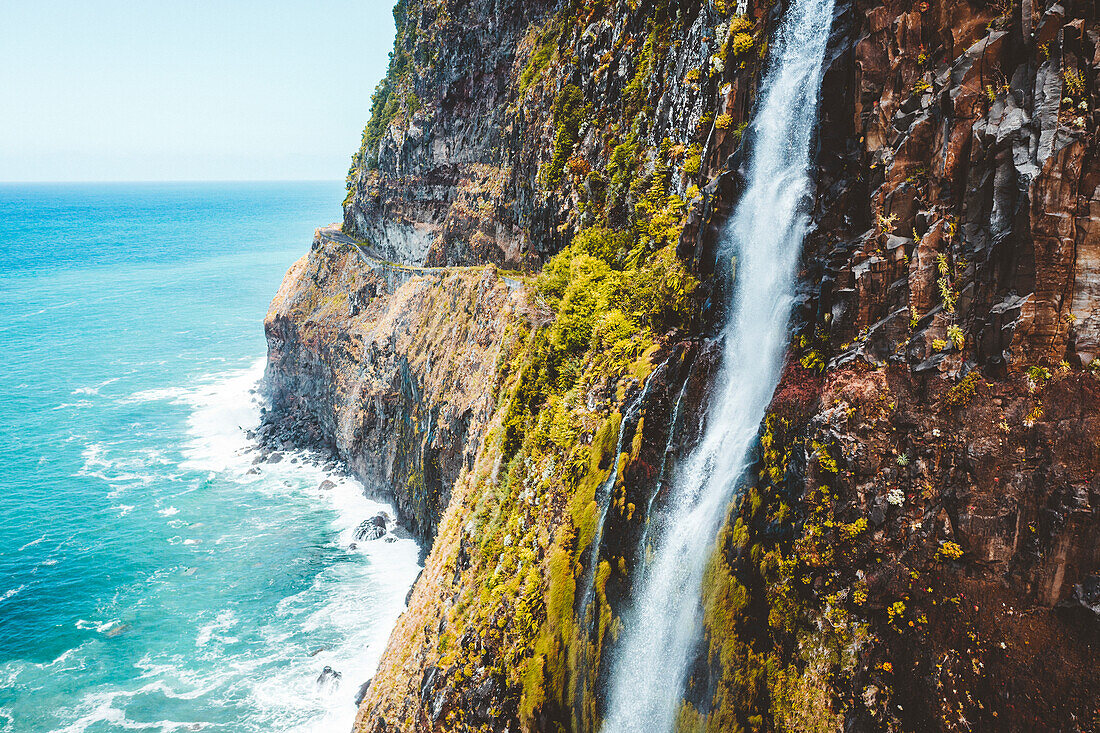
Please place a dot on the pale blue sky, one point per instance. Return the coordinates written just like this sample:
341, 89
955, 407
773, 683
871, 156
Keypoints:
109, 90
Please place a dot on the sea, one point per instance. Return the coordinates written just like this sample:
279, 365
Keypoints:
153, 576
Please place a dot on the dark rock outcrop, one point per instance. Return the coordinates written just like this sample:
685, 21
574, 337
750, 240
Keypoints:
371, 529
329, 680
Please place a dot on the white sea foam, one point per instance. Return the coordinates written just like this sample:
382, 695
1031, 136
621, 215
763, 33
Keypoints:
100, 708
265, 665
120, 473
12, 592
353, 603
160, 394
176, 681
32, 543
81, 404
94, 390
223, 408
224, 621
106, 626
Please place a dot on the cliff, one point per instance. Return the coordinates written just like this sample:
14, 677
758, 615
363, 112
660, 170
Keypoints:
916, 546
394, 375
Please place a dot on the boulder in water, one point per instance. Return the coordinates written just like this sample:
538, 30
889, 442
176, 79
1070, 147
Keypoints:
328, 680
117, 630
326, 485
372, 529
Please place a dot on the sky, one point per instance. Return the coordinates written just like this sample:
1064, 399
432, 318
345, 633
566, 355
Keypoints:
156, 90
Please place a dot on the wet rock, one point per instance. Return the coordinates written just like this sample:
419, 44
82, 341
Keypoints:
372, 529
362, 693
329, 680
427, 682
409, 595
326, 485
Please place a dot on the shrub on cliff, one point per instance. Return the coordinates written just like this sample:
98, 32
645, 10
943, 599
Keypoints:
570, 110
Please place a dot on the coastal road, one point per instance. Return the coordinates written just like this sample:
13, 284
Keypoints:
372, 259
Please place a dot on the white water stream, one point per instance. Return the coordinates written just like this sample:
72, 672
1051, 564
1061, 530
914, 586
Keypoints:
764, 239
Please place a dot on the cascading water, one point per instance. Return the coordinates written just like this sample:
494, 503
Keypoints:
762, 241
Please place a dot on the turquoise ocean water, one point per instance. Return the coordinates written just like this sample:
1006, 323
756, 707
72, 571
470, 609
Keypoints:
148, 580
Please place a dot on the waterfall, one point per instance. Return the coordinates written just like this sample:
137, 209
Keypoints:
762, 243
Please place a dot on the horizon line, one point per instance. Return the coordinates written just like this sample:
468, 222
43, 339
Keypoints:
170, 180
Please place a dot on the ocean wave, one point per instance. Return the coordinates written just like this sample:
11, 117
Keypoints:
157, 394
263, 664
32, 543
223, 409
224, 621
12, 592
173, 679
121, 473
79, 404
95, 389
99, 707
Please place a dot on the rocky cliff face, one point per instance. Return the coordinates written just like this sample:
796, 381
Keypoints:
491, 134
396, 379
916, 547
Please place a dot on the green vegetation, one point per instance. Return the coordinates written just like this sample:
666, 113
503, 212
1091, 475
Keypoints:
741, 44
393, 96
545, 43
945, 283
514, 544
773, 648
955, 336
949, 551
961, 393
570, 110
1037, 376
613, 293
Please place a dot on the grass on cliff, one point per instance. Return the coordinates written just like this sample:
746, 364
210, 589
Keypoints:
612, 296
